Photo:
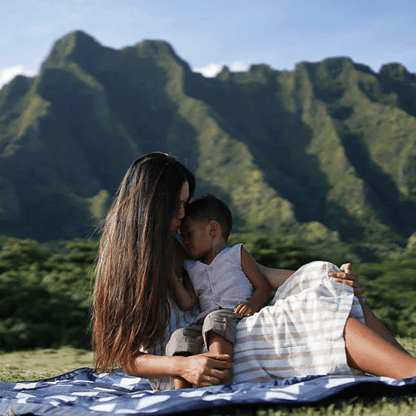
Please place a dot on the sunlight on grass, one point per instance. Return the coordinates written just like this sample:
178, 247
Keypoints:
46, 363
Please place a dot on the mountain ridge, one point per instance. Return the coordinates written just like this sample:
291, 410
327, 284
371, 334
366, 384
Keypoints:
328, 147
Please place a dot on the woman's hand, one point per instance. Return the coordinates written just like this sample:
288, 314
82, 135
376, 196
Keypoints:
348, 278
207, 369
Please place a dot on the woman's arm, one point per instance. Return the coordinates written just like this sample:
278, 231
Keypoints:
200, 370
277, 277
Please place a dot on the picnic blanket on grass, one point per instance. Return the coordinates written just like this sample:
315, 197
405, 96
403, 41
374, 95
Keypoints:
82, 392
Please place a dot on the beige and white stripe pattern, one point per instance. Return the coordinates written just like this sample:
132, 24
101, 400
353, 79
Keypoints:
301, 333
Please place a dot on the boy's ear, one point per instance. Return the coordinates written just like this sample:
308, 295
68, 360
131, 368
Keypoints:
214, 228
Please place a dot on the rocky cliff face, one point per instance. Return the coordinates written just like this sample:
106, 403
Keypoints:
330, 146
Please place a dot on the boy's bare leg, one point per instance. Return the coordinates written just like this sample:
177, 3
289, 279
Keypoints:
377, 326
219, 345
368, 351
181, 383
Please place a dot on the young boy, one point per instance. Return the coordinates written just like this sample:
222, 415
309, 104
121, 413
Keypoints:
226, 281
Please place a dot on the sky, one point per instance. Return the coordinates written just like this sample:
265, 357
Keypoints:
208, 34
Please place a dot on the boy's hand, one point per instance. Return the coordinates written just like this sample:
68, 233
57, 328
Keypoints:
244, 309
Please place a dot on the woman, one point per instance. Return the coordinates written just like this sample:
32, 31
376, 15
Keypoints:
139, 260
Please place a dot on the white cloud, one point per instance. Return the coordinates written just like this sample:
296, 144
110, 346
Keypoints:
238, 67
212, 70
9, 72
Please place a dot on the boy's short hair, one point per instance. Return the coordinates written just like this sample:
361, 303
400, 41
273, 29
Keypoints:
211, 208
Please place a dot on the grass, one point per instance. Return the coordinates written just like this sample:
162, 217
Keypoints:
37, 364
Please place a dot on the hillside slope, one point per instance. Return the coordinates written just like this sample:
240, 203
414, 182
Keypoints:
326, 150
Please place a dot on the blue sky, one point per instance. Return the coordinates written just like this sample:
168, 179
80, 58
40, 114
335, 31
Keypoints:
210, 33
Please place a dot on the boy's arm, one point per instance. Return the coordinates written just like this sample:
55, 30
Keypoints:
183, 294
262, 288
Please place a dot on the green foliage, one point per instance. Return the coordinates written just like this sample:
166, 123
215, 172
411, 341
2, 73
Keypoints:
390, 291
47, 288
46, 294
330, 143
273, 252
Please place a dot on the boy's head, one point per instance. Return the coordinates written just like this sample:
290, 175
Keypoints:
206, 218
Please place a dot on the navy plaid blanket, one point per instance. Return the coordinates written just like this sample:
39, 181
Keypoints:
81, 392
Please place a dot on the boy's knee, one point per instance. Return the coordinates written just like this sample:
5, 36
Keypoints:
181, 343
220, 324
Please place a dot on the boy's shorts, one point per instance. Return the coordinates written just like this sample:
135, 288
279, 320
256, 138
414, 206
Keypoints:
190, 339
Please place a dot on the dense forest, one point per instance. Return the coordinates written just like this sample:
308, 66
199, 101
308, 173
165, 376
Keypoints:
46, 288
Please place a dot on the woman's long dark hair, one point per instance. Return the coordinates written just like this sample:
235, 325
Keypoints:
136, 255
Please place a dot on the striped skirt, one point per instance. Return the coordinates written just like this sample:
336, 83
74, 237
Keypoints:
300, 332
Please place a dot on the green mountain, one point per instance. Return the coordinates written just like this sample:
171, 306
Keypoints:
326, 152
